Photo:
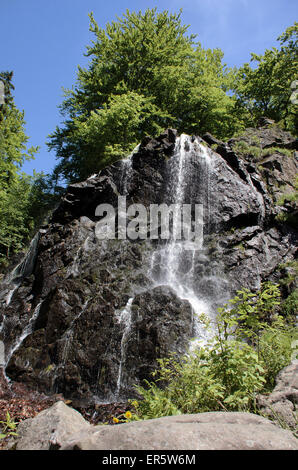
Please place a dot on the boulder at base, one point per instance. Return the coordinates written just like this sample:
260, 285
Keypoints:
282, 404
62, 427
50, 428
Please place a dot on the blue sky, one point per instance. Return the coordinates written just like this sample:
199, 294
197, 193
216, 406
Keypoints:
44, 41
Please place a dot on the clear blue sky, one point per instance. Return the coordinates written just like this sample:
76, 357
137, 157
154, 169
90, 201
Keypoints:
43, 42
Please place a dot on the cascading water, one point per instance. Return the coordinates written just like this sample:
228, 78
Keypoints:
124, 319
180, 263
124, 316
12, 282
126, 171
68, 335
26, 332
65, 344
23, 269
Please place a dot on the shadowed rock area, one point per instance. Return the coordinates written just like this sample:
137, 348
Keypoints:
89, 318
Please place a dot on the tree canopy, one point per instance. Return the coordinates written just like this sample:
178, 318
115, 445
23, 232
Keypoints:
264, 88
22, 198
145, 74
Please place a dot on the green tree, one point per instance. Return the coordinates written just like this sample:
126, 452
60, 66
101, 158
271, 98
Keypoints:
145, 74
264, 89
13, 140
23, 199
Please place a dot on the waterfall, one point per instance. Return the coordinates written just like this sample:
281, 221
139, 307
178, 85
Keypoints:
14, 279
22, 270
74, 269
126, 171
179, 263
26, 332
66, 341
124, 318
68, 335
2, 354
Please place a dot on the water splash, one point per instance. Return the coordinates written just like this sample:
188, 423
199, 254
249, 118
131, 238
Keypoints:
179, 263
26, 332
22, 270
125, 320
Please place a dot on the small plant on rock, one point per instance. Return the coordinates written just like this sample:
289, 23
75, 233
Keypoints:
8, 427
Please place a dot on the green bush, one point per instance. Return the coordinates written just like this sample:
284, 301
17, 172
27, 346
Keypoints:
251, 344
275, 351
290, 305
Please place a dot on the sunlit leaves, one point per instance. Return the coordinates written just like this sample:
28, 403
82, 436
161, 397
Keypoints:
264, 88
21, 196
251, 344
145, 74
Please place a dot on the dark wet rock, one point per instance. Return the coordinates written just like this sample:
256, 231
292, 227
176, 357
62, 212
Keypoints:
279, 173
88, 321
84, 360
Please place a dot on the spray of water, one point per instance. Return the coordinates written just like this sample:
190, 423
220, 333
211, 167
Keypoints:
125, 320
174, 264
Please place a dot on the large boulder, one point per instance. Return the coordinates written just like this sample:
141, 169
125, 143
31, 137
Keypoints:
50, 428
281, 405
61, 427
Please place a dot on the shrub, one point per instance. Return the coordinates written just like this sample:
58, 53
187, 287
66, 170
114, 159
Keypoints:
290, 305
251, 344
275, 351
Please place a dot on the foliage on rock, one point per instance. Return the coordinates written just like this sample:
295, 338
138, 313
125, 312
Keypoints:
265, 88
251, 345
8, 427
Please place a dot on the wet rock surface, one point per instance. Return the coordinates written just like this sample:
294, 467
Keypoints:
88, 321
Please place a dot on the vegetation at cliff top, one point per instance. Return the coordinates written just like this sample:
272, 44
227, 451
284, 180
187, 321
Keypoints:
264, 89
145, 74
23, 199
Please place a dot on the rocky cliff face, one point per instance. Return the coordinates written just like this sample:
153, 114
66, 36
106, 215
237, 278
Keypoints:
89, 318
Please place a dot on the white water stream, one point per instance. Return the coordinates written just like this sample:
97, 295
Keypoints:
126, 171
124, 318
23, 269
177, 263
174, 264
26, 332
